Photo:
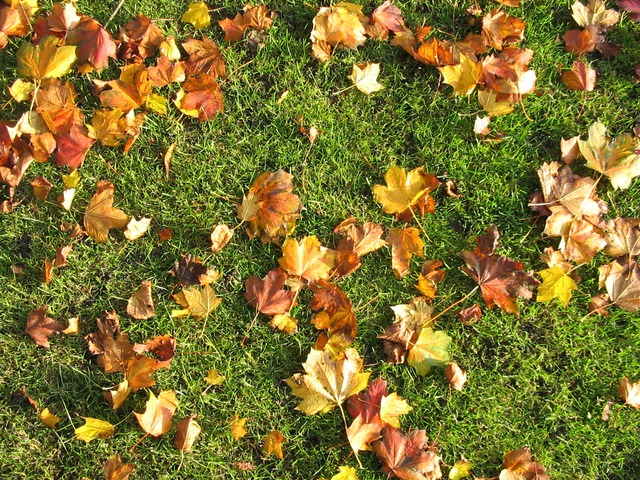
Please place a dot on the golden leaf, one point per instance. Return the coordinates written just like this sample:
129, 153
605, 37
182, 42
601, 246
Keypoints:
45, 60
92, 429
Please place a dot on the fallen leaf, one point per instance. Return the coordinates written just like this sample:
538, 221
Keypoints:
457, 376
284, 322
268, 295
307, 259
622, 236
117, 397
139, 38
594, 13
114, 469
186, 433
94, 44
328, 381
166, 72
463, 77
48, 418
391, 407
41, 188
140, 305
346, 473
199, 303
631, 6
556, 283
220, 237
461, 469
273, 444
40, 327
48, 270
214, 378
197, 15
429, 349
236, 425
338, 26
630, 392
188, 270
156, 419
204, 57
407, 457
518, 464
72, 146
74, 326
45, 60
500, 29
404, 242
365, 77
100, 215
165, 234
622, 281
92, 429
580, 77
429, 278
405, 194
200, 97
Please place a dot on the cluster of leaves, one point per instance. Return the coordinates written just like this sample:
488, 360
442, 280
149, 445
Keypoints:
574, 212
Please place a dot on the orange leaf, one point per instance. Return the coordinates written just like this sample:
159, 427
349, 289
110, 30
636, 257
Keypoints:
306, 259
404, 242
40, 327
187, 432
273, 444
201, 97
114, 469
100, 215
156, 419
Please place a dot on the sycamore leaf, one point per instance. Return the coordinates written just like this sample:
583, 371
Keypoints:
100, 215
92, 429
630, 392
200, 97
139, 38
361, 433
114, 469
21, 91
328, 381
365, 77
94, 43
499, 29
48, 418
622, 236
338, 26
457, 376
622, 281
236, 425
188, 270
268, 295
40, 327
618, 159
556, 283
199, 303
270, 209
166, 72
595, 13
337, 316
197, 15
72, 146
493, 104
156, 419
204, 57
430, 349
186, 433
45, 60
130, 91
406, 194
360, 240
391, 407
307, 259
410, 319
140, 305
345, 473
273, 444
404, 242
407, 457
462, 77
429, 278
55, 102
518, 465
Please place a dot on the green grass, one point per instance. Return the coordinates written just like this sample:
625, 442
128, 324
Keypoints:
539, 380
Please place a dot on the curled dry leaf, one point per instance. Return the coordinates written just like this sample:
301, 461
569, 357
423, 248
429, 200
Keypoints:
518, 464
461, 469
457, 376
137, 228
156, 419
630, 392
236, 425
61, 256
114, 469
186, 433
581, 77
140, 305
273, 444
48, 418
40, 327
569, 149
220, 236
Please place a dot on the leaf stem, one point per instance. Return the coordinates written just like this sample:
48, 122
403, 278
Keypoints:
346, 427
342, 91
138, 442
246, 335
433, 319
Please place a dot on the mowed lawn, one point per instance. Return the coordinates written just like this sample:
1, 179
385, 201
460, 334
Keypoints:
539, 380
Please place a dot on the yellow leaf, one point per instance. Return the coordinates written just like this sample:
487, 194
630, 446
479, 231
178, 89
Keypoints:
45, 60
405, 192
307, 259
284, 322
73, 327
21, 91
214, 378
391, 407
273, 444
156, 419
48, 418
92, 429
494, 107
197, 15
329, 380
462, 77
72, 180
156, 103
555, 284
460, 470
201, 302
345, 473
365, 77
430, 350
236, 425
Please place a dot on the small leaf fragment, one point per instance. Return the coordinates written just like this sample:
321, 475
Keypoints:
273, 444
630, 392
236, 425
457, 376
49, 419
214, 378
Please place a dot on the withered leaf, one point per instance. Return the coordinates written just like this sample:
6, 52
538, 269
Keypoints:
622, 281
100, 215
197, 302
188, 270
186, 433
200, 97
337, 315
114, 469
139, 38
365, 77
268, 295
518, 464
156, 419
94, 43
457, 376
41, 188
428, 349
140, 305
405, 243
622, 236
220, 236
500, 29
204, 57
236, 425
338, 26
580, 77
117, 397
407, 457
40, 327
273, 444
430, 276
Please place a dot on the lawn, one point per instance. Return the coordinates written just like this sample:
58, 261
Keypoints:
540, 379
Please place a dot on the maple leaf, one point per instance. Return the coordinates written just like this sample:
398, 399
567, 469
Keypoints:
406, 194
307, 259
140, 305
156, 419
186, 433
214, 378
200, 97
580, 77
360, 241
501, 279
93, 43
21, 91
40, 327
100, 215
257, 17
14, 21
188, 270
139, 38
166, 72
72, 146
406, 457
622, 281
197, 15
429, 349
631, 6
389, 17
106, 127
463, 77
233, 29
404, 242
268, 295
365, 77
346, 473
494, 104
595, 13
630, 392
45, 60
337, 316
461, 469
361, 433
429, 278
622, 236
500, 29
130, 91
409, 320
198, 303
92, 429
273, 444
617, 159
556, 283
269, 209
55, 102
391, 407
236, 425
204, 57
114, 469
329, 380
457, 376
518, 465
163, 347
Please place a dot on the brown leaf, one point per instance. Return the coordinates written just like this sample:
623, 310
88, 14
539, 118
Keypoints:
198, 303
55, 102
201, 97
500, 29
268, 295
360, 241
338, 26
407, 457
273, 444
580, 77
430, 276
270, 209
204, 57
457, 376
117, 397
404, 242
166, 72
501, 279
471, 315
622, 281
130, 91
48, 270
40, 327
41, 188
186, 433
518, 464
100, 215
220, 236
139, 38
94, 43
622, 236
140, 305
337, 315
188, 270
163, 347
114, 469
569, 149
156, 419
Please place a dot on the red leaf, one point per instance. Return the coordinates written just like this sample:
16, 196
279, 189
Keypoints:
580, 77
406, 457
94, 43
267, 295
73, 146
203, 95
